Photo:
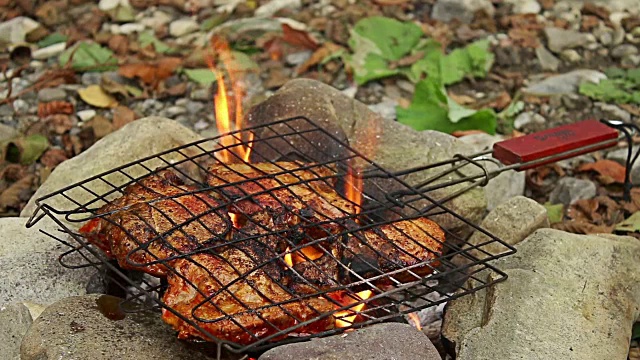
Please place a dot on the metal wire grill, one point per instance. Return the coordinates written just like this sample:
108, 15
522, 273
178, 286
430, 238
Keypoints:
252, 255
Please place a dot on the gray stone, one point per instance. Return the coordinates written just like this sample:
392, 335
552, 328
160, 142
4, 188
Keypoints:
512, 221
555, 304
15, 320
273, 7
16, 30
463, 10
157, 20
561, 39
75, 328
623, 50
504, 186
569, 190
390, 144
51, 94
377, 342
547, 60
86, 115
613, 112
570, 56
49, 51
29, 267
528, 117
298, 58
136, 140
566, 83
525, 6
630, 60
20, 106
91, 78
182, 27
7, 132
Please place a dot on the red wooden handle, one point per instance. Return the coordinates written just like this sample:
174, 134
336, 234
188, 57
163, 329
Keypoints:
554, 141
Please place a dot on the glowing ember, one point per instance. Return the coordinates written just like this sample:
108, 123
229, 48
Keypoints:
347, 317
232, 145
415, 320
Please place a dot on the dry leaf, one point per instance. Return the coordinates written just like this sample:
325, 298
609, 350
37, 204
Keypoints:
462, 99
96, 96
320, 54
54, 107
299, 38
122, 115
16, 193
101, 126
579, 227
461, 133
176, 90
59, 123
119, 44
609, 171
53, 157
151, 73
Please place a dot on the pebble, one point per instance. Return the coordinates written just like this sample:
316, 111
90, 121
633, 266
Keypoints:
528, 117
201, 125
202, 94
547, 60
271, 7
173, 111
561, 39
86, 115
16, 30
613, 112
570, 55
182, 27
51, 94
297, 58
623, 50
630, 61
463, 10
157, 20
525, 6
194, 107
21, 106
604, 36
91, 78
49, 51
6, 110
569, 190
15, 321
131, 28
564, 83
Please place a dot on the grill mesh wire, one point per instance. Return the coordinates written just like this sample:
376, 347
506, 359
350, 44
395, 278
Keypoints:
390, 299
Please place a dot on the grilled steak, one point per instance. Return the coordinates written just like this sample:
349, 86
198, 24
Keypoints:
242, 297
157, 219
393, 246
297, 197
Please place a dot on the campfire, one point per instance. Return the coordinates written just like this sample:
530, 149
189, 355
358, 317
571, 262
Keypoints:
262, 250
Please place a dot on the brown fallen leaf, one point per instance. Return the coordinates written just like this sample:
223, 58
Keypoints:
462, 99
122, 115
101, 126
390, 2
96, 96
119, 44
59, 123
610, 171
461, 133
580, 227
320, 54
54, 107
53, 157
299, 38
16, 193
151, 73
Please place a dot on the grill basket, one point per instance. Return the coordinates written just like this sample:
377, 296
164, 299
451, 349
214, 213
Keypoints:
396, 289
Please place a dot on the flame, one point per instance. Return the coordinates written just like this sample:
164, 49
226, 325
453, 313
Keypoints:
233, 145
353, 189
344, 318
307, 253
415, 320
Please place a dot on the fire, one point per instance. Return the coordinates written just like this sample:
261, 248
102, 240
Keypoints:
347, 317
353, 189
307, 252
415, 320
233, 145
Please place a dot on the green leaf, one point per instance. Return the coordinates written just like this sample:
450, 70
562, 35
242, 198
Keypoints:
146, 37
51, 39
243, 62
202, 76
475, 60
26, 150
393, 39
88, 56
632, 224
609, 91
432, 109
555, 212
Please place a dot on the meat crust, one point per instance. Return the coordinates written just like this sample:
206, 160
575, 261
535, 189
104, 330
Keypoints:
394, 246
155, 220
236, 304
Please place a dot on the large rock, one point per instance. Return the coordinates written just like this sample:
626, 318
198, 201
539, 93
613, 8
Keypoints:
378, 342
511, 221
134, 141
78, 328
392, 145
15, 320
29, 267
567, 297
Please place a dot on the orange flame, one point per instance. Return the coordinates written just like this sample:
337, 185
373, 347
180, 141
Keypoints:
353, 189
233, 146
346, 317
415, 320
307, 253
